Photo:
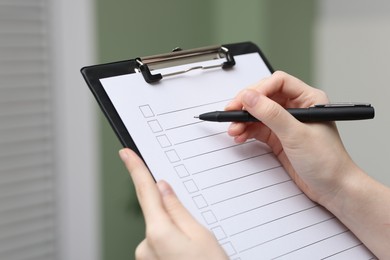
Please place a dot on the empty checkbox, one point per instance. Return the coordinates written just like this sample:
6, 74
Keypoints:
163, 141
218, 233
229, 249
172, 156
200, 202
190, 186
181, 171
146, 111
155, 126
209, 217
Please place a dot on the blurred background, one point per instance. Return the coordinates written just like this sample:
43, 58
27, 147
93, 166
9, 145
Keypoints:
64, 193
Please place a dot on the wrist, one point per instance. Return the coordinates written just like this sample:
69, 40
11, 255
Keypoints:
361, 205
347, 187
350, 193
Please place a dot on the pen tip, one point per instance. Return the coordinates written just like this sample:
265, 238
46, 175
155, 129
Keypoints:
196, 116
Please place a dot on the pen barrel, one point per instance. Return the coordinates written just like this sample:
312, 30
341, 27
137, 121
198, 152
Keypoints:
228, 116
321, 114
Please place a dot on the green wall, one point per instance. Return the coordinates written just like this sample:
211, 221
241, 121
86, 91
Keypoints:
128, 29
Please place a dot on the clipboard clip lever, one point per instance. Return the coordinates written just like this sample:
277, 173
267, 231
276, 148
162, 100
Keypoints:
180, 57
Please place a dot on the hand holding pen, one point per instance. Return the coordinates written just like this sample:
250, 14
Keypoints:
314, 155
303, 149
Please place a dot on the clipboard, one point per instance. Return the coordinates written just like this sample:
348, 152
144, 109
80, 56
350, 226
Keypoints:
93, 74
241, 193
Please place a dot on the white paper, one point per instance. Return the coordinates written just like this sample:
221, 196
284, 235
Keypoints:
240, 192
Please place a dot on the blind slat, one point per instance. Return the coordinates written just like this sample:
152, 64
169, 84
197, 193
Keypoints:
20, 202
22, 134
27, 180
25, 214
25, 188
34, 226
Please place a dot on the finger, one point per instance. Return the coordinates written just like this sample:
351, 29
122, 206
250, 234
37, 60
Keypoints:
146, 189
144, 251
259, 131
283, 85
285, 90
177, 212
240, 132
270, 113
236, 129
235, 104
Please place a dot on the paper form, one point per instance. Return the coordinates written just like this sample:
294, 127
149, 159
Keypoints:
238, 191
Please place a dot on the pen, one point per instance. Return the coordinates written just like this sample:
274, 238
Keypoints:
317, 113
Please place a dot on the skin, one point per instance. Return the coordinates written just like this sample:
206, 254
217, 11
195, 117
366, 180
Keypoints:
171, 232
313, 154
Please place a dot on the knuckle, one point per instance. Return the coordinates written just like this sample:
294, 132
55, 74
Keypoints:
322, 94
141, 251
319, 96
156, 235
279, 74
271, 111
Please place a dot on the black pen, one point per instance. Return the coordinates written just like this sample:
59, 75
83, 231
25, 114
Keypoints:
317, 113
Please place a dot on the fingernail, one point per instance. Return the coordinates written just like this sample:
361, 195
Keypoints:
232, 126
250, 98
123, 154
164, 188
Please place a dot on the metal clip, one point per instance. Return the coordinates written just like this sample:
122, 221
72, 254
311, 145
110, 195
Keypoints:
180, 57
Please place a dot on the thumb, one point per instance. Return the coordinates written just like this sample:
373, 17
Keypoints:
179, 215
270, 113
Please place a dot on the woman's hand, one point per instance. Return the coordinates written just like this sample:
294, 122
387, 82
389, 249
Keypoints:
315, 158
312, 153
171, 232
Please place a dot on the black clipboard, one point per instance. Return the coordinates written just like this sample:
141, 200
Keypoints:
93, 74
243, 194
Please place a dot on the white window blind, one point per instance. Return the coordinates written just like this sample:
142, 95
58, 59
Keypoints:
27, 180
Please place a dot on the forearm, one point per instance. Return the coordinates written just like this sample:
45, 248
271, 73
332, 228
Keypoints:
363, 205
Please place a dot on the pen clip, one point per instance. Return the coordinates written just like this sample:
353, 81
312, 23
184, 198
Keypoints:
344, 104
